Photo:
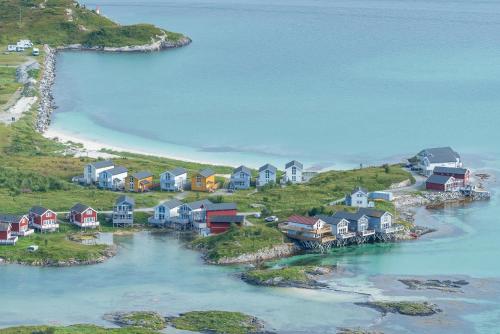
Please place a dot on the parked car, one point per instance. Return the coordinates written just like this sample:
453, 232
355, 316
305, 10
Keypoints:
32, 248
271, 219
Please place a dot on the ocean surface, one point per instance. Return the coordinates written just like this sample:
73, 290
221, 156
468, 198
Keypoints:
331, 83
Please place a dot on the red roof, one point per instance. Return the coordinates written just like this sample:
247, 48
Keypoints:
302, 220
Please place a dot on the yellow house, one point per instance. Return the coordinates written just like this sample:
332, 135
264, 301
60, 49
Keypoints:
140, 182
204, 180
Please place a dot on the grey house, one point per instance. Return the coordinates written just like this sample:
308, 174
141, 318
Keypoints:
267, 174
358, 198
380, 221
123, 211
358, 222
240, 179
340, 226
430, 158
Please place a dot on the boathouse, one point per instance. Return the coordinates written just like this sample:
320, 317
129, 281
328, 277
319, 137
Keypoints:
442, 183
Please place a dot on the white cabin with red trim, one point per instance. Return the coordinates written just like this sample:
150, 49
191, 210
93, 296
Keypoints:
43, 219
83, 216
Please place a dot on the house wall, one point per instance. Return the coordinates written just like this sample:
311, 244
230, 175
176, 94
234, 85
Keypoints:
5, 235
240, 180
219, 228
80, 217
137, 187
172, 183
205, 184
210, 214
434, 186
358, 199
289, 176
21, 225
262, 180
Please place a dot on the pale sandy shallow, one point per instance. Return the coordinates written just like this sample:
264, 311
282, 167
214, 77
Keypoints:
92, 147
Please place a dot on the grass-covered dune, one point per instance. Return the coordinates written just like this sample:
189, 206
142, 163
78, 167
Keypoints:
63, 22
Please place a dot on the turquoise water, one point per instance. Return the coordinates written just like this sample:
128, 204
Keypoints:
332, 83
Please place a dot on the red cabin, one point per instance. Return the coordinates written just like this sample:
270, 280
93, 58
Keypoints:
219, 210
20, 224
460, 174
43, 219
442, 183
6, 237
83, 216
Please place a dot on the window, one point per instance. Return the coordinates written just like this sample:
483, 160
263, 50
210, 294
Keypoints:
294, 178
198, 179
268, 174
242, 175
294, 170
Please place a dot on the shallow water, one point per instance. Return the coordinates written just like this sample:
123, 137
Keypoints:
330, 83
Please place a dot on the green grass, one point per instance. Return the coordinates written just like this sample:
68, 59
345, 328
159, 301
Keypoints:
74, 329
150, 320
404, 307
53, 247
286, 274
62, 22
238, 241
219, 322
8, 84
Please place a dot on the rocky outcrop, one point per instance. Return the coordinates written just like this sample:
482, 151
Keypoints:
283, 250
143, 319
414, 309
434, 284
162, 43
311, 281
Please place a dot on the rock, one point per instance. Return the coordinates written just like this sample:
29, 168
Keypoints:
275, 252
149, 320
433, 284
414, 309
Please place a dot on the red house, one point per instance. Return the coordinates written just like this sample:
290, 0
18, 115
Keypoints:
6, 237
83, 216
442, 183
460, 174
214, 212
20, 224
43, 219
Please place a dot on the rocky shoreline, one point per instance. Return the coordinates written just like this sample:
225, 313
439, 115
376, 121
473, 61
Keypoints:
276, 252
109, 252
47, 105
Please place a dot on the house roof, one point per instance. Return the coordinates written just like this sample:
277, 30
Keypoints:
303, 220
124, 198
451, 170
242, 169
221, 206
197, 204
38, 210
4, 227
294, 163
102, 164
351, 216
438, 179
359, 189
142, 175
332, 220
171, 204
178, 171
440, 154
238, 219
372, 212
116, 170
6, 218
206, 172
268, 166
79, 207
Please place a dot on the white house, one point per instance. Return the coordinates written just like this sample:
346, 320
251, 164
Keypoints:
358, 198
92, 170
431, 158
114, 178
267, 174
173, 180
340, 226
293, 172
165, 212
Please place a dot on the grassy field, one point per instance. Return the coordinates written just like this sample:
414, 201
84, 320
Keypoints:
74, 329
60, 22
8, 83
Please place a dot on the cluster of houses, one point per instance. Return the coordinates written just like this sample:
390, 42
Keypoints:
443, 168
340, 228
22, 45
106, 175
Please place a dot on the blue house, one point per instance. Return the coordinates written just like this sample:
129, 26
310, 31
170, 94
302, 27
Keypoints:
240, 179
358, 222
380, 221
358, 198
267, 174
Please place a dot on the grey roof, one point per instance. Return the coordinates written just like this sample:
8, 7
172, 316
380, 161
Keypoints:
440, 154
243, 169
197, 204
221, 206
451, 170
268, 166
79, 207
438, 179
124, 198
178, 171
102, 164
331, 220
38, 210
372, 212
294, 163
4, 227
171, 204
142, 175
350, 216
206, 172
116, 170
359, 189
238, 219
6, 218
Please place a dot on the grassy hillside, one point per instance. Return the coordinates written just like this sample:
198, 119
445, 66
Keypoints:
59, 22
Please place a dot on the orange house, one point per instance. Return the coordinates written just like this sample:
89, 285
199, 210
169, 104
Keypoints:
140, 182
204, 180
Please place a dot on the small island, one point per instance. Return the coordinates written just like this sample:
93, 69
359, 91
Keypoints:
218, 322
415, 309
295, 276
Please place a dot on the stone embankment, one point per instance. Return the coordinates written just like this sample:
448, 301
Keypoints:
46, 105
284, 250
